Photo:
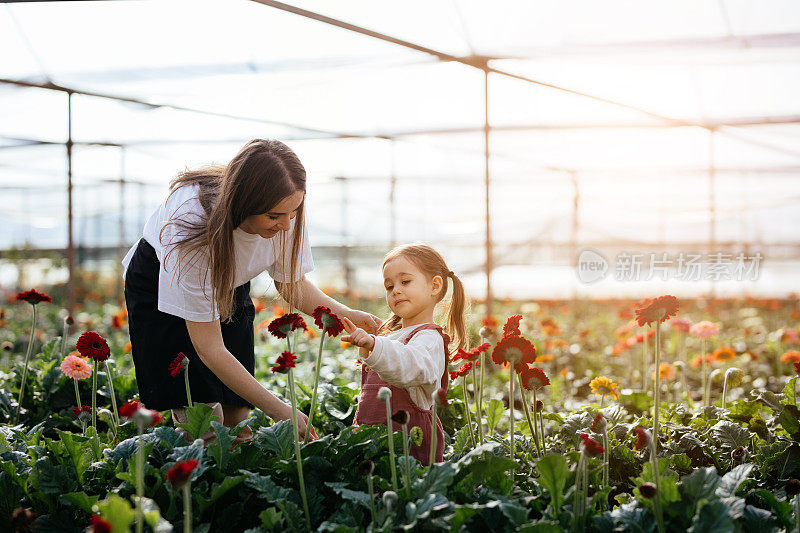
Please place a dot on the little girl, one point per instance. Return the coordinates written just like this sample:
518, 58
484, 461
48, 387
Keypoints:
410, 354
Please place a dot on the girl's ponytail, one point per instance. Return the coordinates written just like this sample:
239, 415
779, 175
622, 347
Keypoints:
456, 328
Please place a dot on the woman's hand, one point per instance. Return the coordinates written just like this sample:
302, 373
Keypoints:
367, 322
357, 336
285, 413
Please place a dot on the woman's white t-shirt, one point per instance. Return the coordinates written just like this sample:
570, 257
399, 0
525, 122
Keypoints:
189, 295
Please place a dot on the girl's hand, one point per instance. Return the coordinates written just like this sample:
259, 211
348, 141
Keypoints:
367, 322
357, 336
285, 413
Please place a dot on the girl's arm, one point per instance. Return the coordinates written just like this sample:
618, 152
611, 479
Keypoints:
419, 362
308, 297
207, 340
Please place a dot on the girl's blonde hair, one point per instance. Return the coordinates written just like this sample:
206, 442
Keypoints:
264, 172
431, 263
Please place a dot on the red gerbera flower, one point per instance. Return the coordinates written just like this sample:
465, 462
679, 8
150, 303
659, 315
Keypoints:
473, 354
657, 310
599, 423
100, 524
591, 446
33, 297
489, 322
461, 371
78, 411
797, 367
327, 321
93, 346
179, 473
643, 438
516, 351
511, 327
178, 364
285, 361
127, 409
534, 378
281, 326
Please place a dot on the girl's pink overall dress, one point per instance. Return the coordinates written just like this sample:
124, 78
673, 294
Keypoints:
372, 411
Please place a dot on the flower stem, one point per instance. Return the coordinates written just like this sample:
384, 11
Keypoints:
408, 466
644, 362
139, 476
657, 386
531, 424
578, 497
605, 454
724, 390
703, 360
656, 477
434, 433
64, 339
94, 395
110, 378
188, 390
187, 507
511, 405
77, 394
479, 396
25, 367
371, 499
316, 384
466, 410
390, 438
297, 448
541, 427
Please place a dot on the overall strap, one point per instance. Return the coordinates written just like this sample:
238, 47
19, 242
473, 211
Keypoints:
445, 380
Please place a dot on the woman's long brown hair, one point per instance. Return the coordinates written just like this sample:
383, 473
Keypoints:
431, 263
262, 174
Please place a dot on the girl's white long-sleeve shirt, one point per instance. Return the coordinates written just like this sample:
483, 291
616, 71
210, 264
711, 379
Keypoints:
417, 366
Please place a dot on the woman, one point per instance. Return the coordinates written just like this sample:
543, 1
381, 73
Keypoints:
187, 282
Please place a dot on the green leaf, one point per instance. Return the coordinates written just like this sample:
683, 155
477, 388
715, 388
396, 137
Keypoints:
117, 511
439, 477
361, 498
636, 402
272, 519
217, 491
789, 392
461, 441
782, 508
80, 500
731, 481
713, 518
699, 486
682, 462
730, 435
152, 515
198, 419
277, 438
494, 412
542, 527
790, 419
79, 453
553, 473
264, 486
555, 417
220, 449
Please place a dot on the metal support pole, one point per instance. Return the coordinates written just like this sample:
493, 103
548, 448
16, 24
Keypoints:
392, 202
489, 296
573, 242
345, 245
712, 225
70, 243
121, 224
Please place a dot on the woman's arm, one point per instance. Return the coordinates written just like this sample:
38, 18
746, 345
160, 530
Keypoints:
308, 297
207, 340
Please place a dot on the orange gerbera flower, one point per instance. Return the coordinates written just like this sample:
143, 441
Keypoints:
724, 353
623, 332
546, 358
697, 361
118, 319
666, 372
791, 356
549, 327
657, 310
127, 348
517, 351
489, 322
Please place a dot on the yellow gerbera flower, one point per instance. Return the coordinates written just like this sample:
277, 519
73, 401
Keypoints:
602, 386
